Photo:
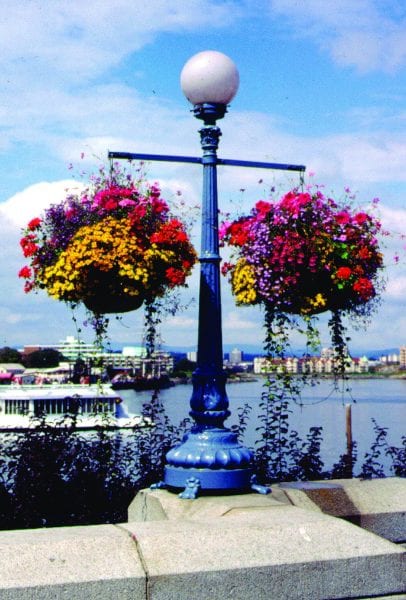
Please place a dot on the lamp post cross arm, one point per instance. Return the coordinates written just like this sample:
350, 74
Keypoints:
199, 160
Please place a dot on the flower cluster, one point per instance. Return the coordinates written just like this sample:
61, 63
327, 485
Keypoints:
112, 246
304, 254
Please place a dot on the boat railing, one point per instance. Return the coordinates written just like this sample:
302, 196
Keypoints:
79, 387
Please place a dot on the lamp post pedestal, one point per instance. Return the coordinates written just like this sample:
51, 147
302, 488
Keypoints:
210, 456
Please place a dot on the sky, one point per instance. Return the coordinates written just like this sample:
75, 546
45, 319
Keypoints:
321, 84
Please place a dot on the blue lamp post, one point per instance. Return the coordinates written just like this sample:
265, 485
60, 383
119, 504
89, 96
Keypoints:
210, 456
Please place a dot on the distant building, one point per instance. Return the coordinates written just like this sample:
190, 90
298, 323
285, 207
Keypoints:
402, 357
192, 356
235, 356
133, 351
71, 348
132, 359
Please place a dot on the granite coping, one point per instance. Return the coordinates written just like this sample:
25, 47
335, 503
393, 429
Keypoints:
54, 562
285, 553
271, 550
378, 505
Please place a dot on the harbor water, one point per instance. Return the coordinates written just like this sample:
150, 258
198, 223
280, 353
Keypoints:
383, 400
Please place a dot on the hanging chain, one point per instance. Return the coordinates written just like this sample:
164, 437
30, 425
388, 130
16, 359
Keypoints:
301, 180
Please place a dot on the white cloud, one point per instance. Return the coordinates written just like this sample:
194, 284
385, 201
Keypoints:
396, 288
58, 62
75, 40
31, 202
356, 34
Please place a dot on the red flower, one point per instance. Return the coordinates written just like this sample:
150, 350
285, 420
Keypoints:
28, 245
238, 233
226, 268
159, 206
175, 276
343, 273
70, 213
364, 288
169, 233
34, 223
28, 286
111, 204
25, 272
263, 207
364, 253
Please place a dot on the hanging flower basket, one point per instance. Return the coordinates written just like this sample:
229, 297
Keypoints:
107, 294
112, 246
304, 255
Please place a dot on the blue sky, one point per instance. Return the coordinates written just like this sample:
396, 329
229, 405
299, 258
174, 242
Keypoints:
321, 84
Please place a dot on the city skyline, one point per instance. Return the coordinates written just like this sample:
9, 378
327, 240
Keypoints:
319, 86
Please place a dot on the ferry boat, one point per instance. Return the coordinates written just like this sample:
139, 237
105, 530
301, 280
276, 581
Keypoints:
23, 406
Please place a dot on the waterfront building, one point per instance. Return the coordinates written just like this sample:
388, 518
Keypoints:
322, 365
402, 357
132, 359
235, 356
71, 348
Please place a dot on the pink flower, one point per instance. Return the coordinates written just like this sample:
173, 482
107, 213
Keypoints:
360, 218
343, 217
223, 229
126, 202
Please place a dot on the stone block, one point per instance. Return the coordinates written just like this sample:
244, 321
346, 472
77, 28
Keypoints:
79, 563
279, 552
157, 505
378, 505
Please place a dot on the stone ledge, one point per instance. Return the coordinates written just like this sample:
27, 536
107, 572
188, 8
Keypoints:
378, 505
75, 562
281, 552
158, 505
247, 547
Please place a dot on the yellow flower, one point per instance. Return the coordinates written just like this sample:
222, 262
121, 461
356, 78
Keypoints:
317, 303
243, 283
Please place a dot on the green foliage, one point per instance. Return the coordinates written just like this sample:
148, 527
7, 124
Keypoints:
183, 367
373, 467
46, 358
344, 467
152, 444
280, 453
9, 355
60, 476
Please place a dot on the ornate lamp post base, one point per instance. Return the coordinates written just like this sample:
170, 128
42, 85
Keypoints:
238, 480
212, 458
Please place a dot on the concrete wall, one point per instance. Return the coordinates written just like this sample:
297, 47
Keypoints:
213, 548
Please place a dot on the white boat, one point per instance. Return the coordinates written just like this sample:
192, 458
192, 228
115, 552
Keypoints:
60, 405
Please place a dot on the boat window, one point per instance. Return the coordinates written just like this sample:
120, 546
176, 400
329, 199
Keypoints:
16, 407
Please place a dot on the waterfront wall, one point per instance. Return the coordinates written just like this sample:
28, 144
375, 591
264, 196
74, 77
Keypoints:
280, 546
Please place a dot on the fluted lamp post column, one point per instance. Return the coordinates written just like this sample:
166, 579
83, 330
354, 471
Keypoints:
210, 456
